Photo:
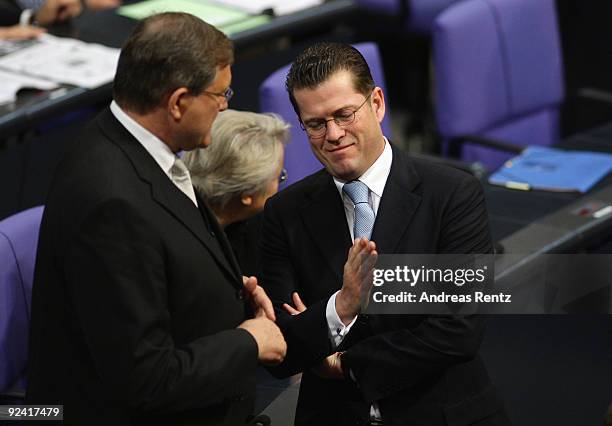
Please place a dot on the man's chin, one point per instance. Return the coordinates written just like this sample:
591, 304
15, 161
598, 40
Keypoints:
346, 172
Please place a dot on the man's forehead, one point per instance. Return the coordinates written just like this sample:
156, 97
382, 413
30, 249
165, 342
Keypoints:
222, 79
335, 93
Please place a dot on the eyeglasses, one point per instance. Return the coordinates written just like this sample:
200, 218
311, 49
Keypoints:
282, 178
227, 94
317, 127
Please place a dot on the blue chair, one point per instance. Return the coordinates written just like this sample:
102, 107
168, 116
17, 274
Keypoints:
299, 159
18, 244
499, 77
414, 15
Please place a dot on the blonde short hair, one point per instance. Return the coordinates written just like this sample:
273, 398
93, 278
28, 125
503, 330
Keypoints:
242, 157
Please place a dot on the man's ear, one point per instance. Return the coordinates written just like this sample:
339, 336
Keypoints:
246, 200
178, 102
378, 103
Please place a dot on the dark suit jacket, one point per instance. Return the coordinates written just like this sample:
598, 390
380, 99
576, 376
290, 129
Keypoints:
243, 237
422, 370
9, 13
135, 304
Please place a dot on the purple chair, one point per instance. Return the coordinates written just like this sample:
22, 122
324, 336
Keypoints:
299, 159
415, 15
18, 243
499, 76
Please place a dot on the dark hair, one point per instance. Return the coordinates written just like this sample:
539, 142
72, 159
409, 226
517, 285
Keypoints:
322, 60
165, 52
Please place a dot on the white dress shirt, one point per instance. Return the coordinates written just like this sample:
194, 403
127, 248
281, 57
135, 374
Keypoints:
375, 179
161, 153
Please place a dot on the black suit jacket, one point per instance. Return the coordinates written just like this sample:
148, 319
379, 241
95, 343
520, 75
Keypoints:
421, 370
9, 13
135, 303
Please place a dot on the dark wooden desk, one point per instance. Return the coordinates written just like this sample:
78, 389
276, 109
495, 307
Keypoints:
512, 210
110, 29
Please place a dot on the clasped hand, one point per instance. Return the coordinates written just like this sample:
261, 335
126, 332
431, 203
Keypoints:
353, 295
271, 344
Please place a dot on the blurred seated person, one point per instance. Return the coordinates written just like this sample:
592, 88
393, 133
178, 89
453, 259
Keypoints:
102, 4
237, 174
40, 12
20, 32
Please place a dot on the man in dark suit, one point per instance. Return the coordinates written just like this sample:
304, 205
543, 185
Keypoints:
45, 12
369, 369
139, 313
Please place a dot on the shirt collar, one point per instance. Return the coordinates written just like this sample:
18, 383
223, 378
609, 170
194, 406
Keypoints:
376, 176
160, 152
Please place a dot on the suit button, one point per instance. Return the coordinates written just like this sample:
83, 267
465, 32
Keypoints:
239, 295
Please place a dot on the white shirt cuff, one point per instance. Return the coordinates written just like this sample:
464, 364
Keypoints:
337, 330
26, 17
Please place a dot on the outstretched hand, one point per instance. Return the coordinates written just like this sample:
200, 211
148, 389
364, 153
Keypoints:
259, 299
357, 279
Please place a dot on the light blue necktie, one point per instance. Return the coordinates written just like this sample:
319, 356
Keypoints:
31, 4
364, 215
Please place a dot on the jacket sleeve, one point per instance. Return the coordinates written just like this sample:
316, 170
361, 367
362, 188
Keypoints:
306, 334
386, 363
115, 268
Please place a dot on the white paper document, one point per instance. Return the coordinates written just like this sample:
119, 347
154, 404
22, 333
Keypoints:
64, 60
12, 82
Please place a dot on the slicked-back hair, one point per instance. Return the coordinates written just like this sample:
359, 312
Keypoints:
319, 62
242, 158
165, 52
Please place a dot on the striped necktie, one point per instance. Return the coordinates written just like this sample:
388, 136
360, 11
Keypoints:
180, 176
358, 192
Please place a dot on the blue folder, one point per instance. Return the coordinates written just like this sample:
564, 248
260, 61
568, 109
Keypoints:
553, 169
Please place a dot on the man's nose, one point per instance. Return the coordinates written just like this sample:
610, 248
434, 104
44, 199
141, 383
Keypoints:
224, 104
334, 131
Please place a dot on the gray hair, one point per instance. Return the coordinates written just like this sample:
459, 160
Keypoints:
240, 159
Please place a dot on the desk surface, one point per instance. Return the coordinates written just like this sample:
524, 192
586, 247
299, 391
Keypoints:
511, 210
30, 111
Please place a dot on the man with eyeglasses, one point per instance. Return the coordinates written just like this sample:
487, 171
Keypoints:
140, 315
370, 199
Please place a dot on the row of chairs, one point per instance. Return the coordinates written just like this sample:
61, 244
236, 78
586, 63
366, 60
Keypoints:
498, 81
18, 241
498, 76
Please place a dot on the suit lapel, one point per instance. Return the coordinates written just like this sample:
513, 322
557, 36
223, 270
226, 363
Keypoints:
222, 240
398, 204
324, 218
164, 192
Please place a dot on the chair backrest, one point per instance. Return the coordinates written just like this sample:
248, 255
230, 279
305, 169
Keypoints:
299, 159
499, 74
418, 16
18, 243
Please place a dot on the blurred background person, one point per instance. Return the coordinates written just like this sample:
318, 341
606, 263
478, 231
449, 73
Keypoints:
20, 32
237, 174
40, 12
102, 4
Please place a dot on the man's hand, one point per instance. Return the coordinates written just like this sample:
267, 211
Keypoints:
357, 281
330, 367
299, 305
259, 299
102, 4
20, 32
271, 345
57, 11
